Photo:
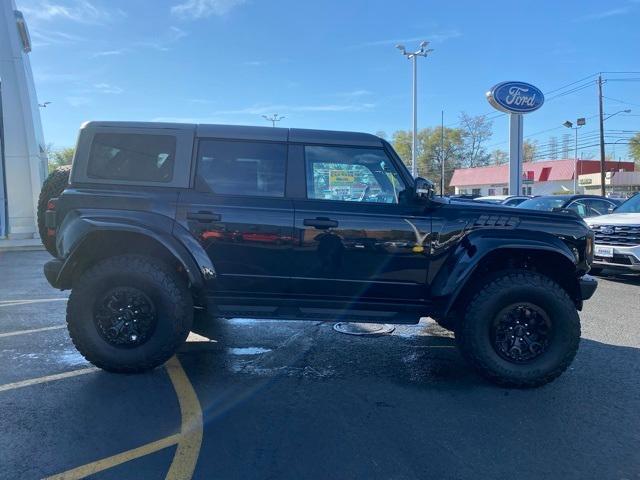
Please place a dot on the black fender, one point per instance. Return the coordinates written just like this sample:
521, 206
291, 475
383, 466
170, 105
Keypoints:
80, 226
470, 251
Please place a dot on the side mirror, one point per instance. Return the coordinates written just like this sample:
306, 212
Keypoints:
611, 209
423, 188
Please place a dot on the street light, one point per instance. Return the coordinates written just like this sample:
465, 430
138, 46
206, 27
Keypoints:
628, 110
423, 51
273, 119
580, 122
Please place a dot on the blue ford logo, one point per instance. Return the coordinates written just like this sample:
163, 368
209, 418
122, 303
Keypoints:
515, 97
606, 230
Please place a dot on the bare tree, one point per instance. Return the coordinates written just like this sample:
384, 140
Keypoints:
475, 132
553, 148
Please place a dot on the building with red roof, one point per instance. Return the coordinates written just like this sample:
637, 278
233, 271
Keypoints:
539, 178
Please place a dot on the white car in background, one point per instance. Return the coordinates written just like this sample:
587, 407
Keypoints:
617, 244
506, 200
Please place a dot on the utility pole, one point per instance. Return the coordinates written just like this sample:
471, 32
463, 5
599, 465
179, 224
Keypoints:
273, 119
413, 56
602, 155
442, 153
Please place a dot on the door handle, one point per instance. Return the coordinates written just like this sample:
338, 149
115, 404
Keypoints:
320, 222
203, 216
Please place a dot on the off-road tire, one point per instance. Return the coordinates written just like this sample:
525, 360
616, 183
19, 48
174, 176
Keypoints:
52, 187
474, 339
171, 298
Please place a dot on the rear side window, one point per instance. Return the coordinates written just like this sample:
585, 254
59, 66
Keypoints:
242, 168
132, 157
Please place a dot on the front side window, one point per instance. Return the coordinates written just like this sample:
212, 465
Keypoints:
242, 168
351, 174
132, 157
630, 206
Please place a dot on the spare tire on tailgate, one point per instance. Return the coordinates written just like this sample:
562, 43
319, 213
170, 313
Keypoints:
52, 187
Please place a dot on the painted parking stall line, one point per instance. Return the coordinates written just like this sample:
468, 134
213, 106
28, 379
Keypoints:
188, 441
12, 303
33, 330
46, 379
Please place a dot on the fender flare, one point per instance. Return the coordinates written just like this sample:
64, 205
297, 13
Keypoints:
78, 227
476, 246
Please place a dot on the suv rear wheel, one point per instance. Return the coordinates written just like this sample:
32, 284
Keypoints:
520, 330
52, 187
129, 313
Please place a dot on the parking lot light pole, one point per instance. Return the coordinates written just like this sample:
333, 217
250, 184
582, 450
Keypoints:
273, 118
580, 122
423, 51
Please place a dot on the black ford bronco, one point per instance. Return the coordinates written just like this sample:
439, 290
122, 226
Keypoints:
159, 221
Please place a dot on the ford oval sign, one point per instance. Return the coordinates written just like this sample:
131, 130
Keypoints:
515, 97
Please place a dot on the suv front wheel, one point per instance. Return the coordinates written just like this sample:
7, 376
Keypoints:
520, 330
129, 313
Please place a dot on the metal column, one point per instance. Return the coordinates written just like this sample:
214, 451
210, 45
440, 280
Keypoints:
516, 153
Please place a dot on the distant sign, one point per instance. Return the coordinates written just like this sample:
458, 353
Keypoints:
515, 97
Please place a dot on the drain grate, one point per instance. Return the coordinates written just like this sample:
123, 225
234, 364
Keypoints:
371, 329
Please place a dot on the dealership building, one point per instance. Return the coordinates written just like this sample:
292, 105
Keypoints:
539, 178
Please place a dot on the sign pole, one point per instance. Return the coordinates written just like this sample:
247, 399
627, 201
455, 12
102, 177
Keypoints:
516, 152
516, 99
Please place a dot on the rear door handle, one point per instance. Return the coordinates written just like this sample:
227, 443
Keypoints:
320, 222
203, 216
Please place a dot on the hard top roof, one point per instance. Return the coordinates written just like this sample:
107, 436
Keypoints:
242, 132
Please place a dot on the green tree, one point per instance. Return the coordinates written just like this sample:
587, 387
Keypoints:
634, 148
59, 157
498, 157
475, 132
431, 151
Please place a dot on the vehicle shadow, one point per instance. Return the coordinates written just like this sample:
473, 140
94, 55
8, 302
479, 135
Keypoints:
626, 278
402, 405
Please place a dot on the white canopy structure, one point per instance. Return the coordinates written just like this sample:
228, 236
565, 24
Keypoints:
23, 162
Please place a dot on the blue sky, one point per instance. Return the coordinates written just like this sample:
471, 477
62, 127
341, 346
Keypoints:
328, 64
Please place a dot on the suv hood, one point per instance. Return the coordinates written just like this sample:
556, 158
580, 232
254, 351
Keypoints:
615, 219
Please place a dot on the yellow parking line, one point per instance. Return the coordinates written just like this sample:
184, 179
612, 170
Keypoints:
189, 439
115, 460
34, 330
186, 456
48, 378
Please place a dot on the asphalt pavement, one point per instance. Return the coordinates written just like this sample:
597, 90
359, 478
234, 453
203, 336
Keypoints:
298, 400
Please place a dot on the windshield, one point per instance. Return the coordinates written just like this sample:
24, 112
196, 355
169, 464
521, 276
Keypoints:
630, 206
543, 203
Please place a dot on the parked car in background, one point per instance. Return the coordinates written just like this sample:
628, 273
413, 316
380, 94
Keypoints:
506, 200
584, 205
617, 238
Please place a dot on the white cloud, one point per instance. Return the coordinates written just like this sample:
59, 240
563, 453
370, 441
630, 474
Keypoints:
109, 53
204, 8
162, 44
254, 63
79, 11
49, 77
435, 37
332, 107
108, 88
355, 93
614, 12
78, 101
43, 38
